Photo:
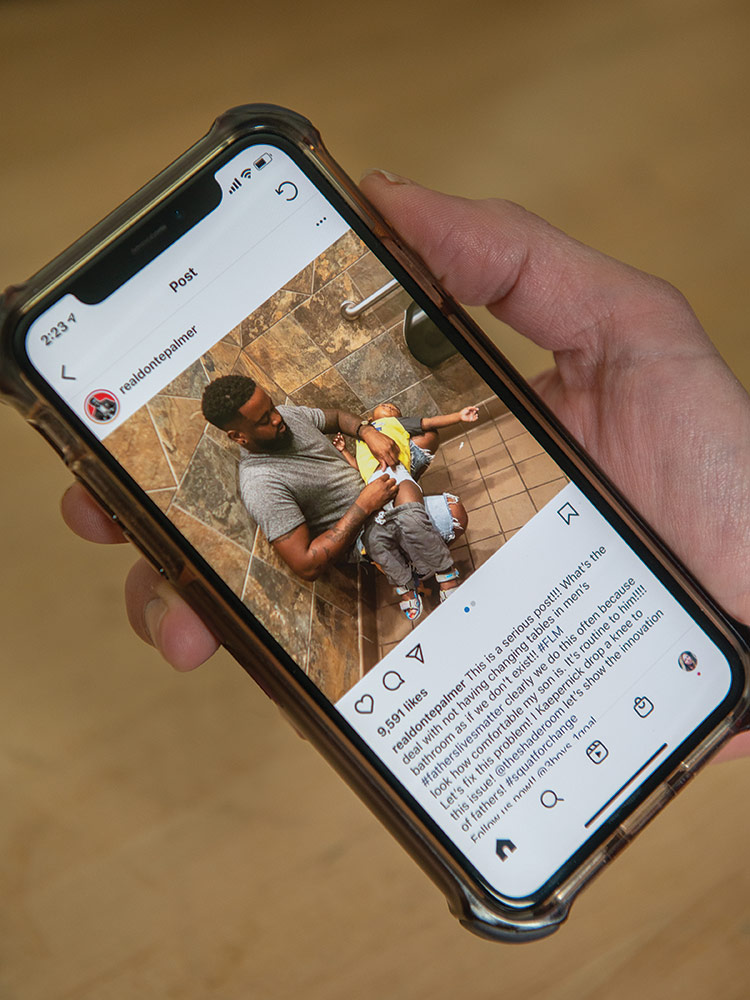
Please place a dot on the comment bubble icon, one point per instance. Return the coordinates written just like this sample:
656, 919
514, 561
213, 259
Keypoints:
392, 680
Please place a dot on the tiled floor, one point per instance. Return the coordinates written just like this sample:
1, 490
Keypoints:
503, 477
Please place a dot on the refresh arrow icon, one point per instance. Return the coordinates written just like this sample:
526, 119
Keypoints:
289, 189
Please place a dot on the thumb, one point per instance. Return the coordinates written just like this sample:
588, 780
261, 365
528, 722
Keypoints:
558, 292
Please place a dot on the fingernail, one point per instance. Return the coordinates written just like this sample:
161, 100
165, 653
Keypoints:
387, 175
152, 617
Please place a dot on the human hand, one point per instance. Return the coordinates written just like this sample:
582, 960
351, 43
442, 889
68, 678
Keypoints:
636, 380
382, 447
377, 494
339, 441
469, 414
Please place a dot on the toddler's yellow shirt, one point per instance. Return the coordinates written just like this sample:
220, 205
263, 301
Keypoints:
394, 429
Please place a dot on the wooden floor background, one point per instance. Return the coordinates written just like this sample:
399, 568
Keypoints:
168, 836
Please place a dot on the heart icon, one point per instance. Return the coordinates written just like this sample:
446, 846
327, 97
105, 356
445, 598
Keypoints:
364, 705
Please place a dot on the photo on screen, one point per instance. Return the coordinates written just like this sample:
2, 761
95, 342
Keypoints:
341, 335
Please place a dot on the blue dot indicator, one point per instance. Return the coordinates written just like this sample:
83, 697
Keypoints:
467, 610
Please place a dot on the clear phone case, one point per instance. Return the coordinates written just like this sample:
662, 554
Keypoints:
476, 906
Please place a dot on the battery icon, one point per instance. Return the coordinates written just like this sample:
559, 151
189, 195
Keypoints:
262, 161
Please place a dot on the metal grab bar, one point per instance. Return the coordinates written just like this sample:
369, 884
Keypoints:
351, 310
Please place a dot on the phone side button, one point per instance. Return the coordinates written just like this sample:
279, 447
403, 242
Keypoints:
143, 550
130, 537
127, 535
51, 440
98, 500
56, 435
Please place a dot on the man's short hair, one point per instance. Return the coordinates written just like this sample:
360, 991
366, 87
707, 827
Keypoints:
223, 398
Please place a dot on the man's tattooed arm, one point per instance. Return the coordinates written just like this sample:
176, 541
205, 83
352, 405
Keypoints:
308, 557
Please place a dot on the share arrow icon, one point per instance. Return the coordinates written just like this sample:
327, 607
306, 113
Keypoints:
416, 653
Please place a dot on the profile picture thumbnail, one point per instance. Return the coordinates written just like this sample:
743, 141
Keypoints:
687, 660
101, 406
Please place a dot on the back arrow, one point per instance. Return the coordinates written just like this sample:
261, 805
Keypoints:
503, 848
70, 378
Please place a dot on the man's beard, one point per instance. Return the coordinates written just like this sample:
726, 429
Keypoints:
280, 442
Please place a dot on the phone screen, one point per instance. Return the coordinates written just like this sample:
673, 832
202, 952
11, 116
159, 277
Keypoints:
523, 715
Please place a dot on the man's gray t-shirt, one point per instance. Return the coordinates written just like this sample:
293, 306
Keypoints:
306, 481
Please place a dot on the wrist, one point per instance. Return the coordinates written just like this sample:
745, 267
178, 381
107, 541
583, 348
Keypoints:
361, 509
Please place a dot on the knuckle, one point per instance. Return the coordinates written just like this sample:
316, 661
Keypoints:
667, 294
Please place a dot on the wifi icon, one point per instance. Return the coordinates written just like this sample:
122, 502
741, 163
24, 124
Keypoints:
246, 173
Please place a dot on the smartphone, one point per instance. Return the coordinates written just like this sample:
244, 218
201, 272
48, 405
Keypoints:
514, 736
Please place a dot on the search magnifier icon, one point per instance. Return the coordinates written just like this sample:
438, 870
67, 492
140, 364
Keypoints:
549, 799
